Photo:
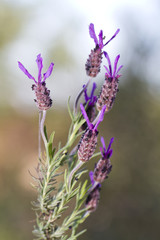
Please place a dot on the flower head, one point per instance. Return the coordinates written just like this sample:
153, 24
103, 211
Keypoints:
99, 41
43, 99
94, 60
103, 167
88, 141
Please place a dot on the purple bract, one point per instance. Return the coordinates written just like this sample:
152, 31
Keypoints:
90, 125
106, 153
114, 73
41, 78
92, 99
99, 41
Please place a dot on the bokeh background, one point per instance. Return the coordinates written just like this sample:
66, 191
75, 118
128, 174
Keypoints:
130, 199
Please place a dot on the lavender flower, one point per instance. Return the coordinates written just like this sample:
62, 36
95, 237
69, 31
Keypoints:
110, 86
90, 102
93, 63
42, 100
94, 196
88, 141
103, 167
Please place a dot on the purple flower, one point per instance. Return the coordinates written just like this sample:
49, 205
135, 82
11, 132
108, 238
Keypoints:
90, 125
43, 99
88, 141
94, 60
106, 153
92, 99
103, 167
41, 78
99, 41
112, 74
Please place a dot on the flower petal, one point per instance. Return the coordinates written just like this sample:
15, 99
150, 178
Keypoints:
109, 63
48, 73
85, 94
112, 37
115, 65
91, 177
100, 117
109, 150
85, 116
103, 144
26, 72
92, 33
39, 61
100, 39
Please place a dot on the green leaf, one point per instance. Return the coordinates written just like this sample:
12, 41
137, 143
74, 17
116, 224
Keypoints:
69, 109
45, 132
50, 142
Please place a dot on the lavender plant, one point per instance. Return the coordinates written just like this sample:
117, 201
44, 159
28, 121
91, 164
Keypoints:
78, 197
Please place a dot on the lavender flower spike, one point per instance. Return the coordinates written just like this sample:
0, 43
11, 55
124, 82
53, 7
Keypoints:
93, 63
42, 100
103, 167
94, 195
88, 142
110, 87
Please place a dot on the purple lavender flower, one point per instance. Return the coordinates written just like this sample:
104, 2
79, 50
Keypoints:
95, 58
103, 167
110, 86
90, 102
88, 140
42, 100
94, 195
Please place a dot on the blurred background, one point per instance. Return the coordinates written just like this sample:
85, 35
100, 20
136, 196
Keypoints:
129, 207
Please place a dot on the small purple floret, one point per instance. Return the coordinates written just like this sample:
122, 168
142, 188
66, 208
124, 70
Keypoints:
106, 153
114, 73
